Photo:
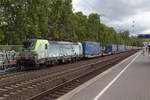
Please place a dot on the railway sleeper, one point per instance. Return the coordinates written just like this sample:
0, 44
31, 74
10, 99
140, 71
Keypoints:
55, 96
68, 88
47, 98
58, 93
62, 90
71, 86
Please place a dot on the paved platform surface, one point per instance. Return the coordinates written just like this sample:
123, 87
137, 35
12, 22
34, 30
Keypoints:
129, 80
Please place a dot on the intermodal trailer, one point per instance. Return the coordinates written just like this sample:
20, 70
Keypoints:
130, 47
122, 48
119, 48
112, 48
91, 49
126, 48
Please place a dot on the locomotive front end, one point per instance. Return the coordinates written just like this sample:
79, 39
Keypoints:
27, 54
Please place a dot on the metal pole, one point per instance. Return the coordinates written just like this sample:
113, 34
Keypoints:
99, 31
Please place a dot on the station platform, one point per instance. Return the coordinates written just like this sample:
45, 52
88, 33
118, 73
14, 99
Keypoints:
128, 80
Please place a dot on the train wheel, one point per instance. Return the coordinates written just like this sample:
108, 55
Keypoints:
52, 63
22, 68
75, 59
47, 64
37, 66
72, 60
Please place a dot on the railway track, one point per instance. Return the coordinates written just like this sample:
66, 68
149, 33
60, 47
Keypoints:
54, 93
14, 74
63, 88
18, 77
26, 84
13, 78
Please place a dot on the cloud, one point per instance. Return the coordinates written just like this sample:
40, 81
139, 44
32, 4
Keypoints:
147, 31
119, 13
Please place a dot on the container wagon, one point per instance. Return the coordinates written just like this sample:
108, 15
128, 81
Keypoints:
119, 48
91, 49
111, 49
126, 48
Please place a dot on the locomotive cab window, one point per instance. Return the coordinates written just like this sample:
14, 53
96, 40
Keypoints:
29, 44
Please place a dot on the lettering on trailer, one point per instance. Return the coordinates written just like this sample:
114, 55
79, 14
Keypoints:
92, 46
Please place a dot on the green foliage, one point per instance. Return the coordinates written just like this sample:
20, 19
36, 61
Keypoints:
26, 19
145, 40
1, 22
135, 41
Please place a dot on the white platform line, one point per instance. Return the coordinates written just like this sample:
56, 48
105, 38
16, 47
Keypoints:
91, 81
115, 79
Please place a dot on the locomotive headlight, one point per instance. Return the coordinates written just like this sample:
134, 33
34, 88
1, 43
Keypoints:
35, 56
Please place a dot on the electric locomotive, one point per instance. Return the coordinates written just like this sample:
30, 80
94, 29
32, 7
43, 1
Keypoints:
38, 52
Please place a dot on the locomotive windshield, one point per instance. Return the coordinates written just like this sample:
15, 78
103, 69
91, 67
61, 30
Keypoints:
30, 44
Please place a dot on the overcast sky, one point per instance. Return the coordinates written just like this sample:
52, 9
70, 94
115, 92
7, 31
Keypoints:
120, 14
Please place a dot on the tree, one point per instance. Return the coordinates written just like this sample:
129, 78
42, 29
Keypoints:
1, 23
27, 19
94, 25
125, 35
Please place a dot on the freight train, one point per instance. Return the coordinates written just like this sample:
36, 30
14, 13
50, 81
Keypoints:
38, 52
